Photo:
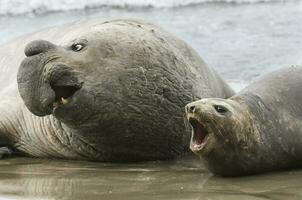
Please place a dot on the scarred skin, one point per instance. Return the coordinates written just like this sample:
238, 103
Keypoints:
101, 90
257, 130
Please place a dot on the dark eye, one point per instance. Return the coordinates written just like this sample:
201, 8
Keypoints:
221, 109
77, 47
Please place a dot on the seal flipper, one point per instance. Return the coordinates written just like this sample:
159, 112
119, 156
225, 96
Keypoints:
5, 152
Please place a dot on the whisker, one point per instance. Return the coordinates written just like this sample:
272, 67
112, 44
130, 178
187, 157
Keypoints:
186, 122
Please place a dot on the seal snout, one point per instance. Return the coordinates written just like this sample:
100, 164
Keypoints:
37, 46
199, 114
44, 84
192, 108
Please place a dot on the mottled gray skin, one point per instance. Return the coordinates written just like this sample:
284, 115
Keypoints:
257, 130
124, 84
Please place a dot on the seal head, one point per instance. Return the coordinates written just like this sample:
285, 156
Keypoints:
221, 128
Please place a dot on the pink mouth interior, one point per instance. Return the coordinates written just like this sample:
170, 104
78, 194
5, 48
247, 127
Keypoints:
199, 134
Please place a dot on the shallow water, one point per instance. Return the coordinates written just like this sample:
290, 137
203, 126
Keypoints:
240, 40
25, 178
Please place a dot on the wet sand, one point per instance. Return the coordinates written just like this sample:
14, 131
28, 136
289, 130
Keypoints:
26, 178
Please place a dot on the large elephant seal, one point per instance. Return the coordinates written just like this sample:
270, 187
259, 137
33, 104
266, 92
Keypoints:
257, 130
104, 90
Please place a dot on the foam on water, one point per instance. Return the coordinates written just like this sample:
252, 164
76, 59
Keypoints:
19, 7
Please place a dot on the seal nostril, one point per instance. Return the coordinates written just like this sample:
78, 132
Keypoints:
191, 109
37, 46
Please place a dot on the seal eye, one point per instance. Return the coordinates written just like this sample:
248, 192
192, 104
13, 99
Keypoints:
220, 109
77, 47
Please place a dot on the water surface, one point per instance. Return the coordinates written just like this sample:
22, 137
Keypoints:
24, 178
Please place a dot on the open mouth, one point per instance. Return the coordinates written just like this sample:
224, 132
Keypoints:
63, 94
199, 135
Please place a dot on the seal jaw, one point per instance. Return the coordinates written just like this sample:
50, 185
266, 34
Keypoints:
199, 135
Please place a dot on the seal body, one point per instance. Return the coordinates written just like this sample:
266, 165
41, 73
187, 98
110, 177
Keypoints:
103, 90
255, 131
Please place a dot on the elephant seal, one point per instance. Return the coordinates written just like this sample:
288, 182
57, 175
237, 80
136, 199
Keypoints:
257, 130
101, 90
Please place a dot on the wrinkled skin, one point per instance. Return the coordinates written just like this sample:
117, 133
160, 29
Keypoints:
257, 130
107, 91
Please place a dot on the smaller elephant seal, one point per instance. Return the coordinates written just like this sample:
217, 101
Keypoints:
257, 130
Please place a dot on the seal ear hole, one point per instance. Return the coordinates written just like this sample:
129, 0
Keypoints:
220, 109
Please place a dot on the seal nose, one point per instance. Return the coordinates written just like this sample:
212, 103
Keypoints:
38, 46
190, 108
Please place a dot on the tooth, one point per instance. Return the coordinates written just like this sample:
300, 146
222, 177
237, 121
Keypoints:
64, 101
